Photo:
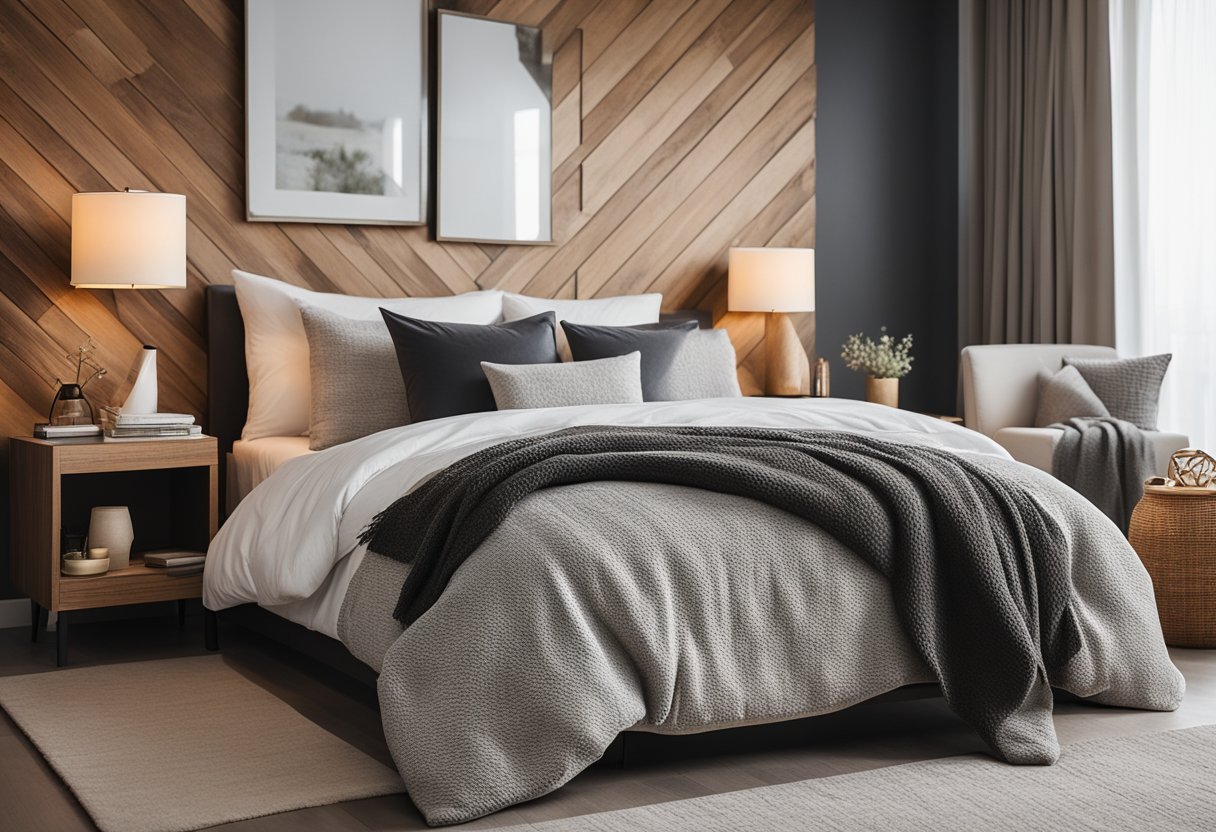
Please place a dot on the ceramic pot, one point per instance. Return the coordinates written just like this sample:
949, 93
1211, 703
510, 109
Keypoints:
110, 527
882, 391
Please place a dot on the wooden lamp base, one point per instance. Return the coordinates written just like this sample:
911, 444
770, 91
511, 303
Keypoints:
787, 370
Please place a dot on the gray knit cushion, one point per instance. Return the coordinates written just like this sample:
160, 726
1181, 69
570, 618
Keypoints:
1065, 395
616, 380
1129, 387
356, 385
704, 368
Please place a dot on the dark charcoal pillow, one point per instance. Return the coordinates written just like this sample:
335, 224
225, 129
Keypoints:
658, 343
1129, 387
1064, 395
441, 362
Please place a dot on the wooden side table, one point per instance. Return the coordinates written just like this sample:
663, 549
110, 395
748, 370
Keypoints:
170, 487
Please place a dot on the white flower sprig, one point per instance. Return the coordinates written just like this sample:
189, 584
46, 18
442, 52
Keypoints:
886, 358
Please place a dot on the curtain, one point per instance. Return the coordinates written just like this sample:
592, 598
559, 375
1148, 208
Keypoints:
1163, 76
1037, 250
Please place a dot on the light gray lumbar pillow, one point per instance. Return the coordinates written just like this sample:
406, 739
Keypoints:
1129, 387
1064, 395
356, 384
616, 380
704, 368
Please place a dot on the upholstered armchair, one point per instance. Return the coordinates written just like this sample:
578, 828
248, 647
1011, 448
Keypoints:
1000, 394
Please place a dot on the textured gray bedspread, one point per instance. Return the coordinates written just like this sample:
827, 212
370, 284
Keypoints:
1107, 461
601, 606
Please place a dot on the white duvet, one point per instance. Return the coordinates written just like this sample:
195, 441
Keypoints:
292, 544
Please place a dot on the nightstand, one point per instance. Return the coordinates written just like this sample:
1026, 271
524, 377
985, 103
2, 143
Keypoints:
170, 487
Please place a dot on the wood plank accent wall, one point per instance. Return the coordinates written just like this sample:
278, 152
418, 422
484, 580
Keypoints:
681, 127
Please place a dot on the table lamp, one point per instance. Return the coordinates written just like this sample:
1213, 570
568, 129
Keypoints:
776, 281
130, 240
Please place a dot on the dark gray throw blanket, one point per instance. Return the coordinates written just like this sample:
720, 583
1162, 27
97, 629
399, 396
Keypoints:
978, 569
1106, 460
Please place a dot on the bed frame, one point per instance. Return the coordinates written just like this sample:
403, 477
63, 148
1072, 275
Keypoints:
227, 403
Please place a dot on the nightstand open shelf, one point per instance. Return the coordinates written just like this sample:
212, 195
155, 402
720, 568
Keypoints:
170, 487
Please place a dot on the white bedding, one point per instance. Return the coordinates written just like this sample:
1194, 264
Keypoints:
253, 460
291, 545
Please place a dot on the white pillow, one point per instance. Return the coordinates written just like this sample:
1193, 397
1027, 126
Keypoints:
626, 310
276, 348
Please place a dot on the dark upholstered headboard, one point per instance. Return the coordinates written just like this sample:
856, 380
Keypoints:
228, 382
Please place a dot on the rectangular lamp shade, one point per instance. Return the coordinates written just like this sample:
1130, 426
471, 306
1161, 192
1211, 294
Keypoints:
771, 280
128, 240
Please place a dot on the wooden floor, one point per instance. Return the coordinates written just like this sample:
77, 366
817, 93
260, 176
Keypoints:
869, 736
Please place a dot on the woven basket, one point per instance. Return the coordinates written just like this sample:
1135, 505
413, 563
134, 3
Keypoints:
1174, 532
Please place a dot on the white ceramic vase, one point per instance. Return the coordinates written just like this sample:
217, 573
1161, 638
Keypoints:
110, 526
143, 395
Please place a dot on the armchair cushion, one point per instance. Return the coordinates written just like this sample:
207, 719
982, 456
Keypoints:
1036, 446
1129, 387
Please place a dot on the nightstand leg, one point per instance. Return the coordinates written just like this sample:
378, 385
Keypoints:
35, 620
61, 640
211, 629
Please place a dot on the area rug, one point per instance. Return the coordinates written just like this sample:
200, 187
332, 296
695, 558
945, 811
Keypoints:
1164, 781
181, 744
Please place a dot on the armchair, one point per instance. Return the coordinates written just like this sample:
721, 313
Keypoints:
1001, 390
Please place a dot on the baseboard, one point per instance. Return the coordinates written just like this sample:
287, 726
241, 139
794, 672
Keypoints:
14, 612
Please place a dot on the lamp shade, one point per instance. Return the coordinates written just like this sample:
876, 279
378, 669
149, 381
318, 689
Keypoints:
128, 240
771, 280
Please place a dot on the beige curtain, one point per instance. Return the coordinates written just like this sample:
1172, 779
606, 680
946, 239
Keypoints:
1037, 259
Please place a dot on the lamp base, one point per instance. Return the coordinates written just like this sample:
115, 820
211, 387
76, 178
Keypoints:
787, 370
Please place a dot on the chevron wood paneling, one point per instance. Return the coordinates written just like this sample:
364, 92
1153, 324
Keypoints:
681, 127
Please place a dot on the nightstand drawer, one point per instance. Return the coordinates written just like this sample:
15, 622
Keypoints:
137, 584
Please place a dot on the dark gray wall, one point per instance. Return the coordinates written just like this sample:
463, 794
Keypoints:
886, 187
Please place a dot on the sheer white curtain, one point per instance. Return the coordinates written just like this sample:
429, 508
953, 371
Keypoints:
1163, 85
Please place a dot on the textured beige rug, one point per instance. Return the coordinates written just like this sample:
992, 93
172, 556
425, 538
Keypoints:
1164, 781
182, 744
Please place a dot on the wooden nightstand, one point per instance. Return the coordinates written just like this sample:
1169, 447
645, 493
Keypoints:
170, 487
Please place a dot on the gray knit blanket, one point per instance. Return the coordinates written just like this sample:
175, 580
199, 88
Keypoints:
1106, 460
978, 570
563, 589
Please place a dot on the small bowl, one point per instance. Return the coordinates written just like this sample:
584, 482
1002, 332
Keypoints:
99, 552
90, 566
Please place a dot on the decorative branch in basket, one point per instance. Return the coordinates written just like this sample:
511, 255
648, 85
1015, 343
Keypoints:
1193, 468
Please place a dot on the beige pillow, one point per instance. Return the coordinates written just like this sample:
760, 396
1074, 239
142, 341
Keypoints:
616, 380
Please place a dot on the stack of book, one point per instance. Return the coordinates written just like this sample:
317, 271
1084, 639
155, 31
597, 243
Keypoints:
45, 431
120, 427
176, 562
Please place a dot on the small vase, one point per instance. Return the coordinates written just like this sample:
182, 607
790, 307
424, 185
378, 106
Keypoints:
110, 528
882, 391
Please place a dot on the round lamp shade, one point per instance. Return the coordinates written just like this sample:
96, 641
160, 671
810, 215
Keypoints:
771, 280
128, 240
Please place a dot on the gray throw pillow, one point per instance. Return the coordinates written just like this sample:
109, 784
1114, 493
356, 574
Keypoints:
615, 380
658, 344
705, 367
356, 386
1129, 387
1064, 395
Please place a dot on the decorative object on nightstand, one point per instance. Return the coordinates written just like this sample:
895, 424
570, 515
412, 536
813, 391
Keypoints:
1173, 529
71, 414
776, 281
821, 385
171, 494
884, 362
110, 528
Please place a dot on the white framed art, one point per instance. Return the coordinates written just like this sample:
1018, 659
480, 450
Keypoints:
336, 111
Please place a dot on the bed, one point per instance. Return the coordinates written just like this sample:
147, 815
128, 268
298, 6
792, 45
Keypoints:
603, 603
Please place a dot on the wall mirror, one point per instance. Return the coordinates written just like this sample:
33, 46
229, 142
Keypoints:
494, 132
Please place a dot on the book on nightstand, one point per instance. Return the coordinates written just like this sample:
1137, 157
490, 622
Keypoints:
45, 431
174, 558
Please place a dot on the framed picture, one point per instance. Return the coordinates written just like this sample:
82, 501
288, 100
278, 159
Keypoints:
336, 111
494, 158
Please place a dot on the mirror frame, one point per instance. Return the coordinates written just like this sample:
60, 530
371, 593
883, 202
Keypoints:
438, 141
